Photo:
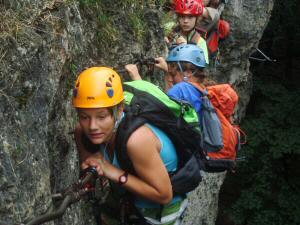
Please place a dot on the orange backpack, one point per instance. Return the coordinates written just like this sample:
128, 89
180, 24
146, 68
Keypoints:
213, 35
224, 99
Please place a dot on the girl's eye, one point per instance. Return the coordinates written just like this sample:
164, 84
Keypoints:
102, 117
82, 117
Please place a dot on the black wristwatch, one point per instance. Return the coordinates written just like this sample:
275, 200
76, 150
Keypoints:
123, 178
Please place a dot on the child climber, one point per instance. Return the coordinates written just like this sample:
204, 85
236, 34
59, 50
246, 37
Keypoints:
188, 13
185, 69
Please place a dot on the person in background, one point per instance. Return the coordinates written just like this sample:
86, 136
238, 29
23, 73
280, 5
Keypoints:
184, 73
210, 17
187, 13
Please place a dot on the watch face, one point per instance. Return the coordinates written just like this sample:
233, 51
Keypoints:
123, 178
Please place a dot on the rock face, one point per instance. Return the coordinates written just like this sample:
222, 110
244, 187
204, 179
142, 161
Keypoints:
43, 46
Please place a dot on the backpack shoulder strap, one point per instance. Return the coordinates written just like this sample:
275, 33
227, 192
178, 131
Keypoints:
127, 126
200, 87
202, 31
194, 37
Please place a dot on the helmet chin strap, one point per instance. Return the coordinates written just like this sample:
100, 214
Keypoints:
185, 78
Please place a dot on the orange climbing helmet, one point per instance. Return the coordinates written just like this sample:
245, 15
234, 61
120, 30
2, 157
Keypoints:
224, 29
189, 7
97, 87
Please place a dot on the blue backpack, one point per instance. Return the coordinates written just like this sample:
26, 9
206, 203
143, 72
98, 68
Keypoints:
212, 134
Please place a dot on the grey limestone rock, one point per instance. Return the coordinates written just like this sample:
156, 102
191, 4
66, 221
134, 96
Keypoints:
43, 46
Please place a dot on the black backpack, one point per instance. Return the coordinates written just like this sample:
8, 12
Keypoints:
147, 103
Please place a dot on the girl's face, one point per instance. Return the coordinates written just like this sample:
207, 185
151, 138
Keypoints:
187, 22
97, 124
176, 75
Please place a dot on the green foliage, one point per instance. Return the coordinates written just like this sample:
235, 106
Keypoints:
109, 14
269, 178
137, 24
107, 32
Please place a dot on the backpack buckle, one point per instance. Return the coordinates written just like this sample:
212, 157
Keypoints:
136, 110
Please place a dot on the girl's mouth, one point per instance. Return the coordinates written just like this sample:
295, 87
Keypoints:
96, 135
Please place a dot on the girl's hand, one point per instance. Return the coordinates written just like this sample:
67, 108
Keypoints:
103, 167
161, 63
94, 161
133, 72
181, 40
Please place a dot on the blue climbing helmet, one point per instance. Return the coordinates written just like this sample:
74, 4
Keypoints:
187, 53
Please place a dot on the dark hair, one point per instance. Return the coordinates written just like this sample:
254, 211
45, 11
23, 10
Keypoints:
214, 3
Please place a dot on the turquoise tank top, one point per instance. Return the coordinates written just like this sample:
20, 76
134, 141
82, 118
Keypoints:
169, 157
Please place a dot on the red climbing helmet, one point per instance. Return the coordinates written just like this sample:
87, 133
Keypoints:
224, 29
189, 7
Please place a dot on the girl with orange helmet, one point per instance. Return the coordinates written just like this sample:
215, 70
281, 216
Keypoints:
98, 98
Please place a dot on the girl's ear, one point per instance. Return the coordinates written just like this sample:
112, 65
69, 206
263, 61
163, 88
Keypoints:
189, 73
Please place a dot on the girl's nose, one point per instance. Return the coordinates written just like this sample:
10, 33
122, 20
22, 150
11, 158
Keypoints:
93, 124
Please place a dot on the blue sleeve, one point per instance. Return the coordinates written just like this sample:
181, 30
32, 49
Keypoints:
187, 92
176, 93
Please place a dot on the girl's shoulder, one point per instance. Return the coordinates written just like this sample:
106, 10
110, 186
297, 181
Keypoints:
140, 137
184, 85
184, 90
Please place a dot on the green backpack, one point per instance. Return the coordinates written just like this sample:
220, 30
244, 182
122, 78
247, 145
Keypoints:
147, 103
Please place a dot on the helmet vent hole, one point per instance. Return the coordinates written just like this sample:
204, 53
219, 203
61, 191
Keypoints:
110, 93
75, 93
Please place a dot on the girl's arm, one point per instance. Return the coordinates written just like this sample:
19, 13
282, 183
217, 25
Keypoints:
153, 183
162, 65
152, 180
